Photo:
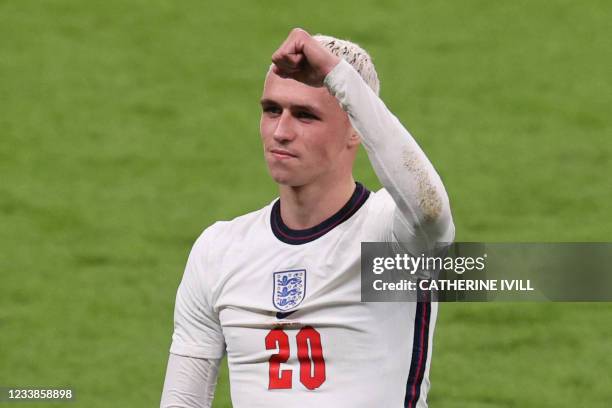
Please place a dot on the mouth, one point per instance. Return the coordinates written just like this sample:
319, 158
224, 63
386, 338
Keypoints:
282, 154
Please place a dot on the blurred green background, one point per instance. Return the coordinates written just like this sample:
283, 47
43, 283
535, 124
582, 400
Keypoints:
127, 127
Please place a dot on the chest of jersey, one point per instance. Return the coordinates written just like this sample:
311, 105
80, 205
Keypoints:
293, 324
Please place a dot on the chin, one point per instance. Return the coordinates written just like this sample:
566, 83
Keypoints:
286, 178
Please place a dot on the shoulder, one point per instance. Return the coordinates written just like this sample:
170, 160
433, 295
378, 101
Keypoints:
222, 234
218, 243
381, 201
376, 216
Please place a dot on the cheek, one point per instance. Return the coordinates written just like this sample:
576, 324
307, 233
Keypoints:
325, 146
334, 138
264, 128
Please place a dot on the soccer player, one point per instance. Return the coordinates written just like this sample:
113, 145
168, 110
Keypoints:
278, 289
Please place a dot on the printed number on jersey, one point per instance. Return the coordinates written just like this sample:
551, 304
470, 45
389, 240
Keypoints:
309, 354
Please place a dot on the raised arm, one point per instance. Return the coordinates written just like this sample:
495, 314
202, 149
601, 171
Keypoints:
401, 165
423, 209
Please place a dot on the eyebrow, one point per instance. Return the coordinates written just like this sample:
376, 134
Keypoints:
300, 106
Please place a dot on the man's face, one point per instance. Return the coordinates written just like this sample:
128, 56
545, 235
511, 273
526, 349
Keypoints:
306, 135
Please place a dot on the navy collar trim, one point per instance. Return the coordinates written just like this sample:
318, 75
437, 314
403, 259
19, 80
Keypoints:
298, 237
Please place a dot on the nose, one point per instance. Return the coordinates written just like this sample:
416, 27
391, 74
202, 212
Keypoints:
284, 131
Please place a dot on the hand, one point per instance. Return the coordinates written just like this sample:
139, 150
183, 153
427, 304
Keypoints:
303, 58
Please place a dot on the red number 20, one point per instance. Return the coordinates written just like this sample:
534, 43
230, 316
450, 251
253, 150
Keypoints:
310, 356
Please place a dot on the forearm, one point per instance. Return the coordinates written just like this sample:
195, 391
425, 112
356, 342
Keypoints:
400, 164
190, 382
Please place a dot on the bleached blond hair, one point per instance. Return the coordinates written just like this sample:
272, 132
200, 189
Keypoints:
354, 55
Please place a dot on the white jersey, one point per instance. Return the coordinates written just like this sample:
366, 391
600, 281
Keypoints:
285, 304
286, 307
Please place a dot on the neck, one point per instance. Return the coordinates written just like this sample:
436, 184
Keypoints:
308, 205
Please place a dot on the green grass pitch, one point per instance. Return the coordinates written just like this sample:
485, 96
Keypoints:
127, 127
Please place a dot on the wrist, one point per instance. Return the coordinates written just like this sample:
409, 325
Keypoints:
329, 66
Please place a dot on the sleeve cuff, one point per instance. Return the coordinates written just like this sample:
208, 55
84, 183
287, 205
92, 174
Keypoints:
337, 77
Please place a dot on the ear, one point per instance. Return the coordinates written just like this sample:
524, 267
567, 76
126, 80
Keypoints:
354, 138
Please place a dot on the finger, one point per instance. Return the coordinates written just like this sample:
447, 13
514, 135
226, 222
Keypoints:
294, 42
288, 66
288, 60
292, 48
296, 59
283, 73
285, 68
279, 71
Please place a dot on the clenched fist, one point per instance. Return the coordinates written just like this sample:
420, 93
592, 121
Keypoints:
303, 58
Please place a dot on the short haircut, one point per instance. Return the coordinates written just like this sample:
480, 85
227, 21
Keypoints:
354, 55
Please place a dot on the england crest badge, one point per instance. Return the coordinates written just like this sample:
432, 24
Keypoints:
289, 289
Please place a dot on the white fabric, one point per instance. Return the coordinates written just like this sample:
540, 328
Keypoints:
190, 382
422, 212
226, 299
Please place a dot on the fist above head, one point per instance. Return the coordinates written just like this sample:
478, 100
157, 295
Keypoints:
303, 58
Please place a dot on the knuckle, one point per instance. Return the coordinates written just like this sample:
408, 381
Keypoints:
298, 32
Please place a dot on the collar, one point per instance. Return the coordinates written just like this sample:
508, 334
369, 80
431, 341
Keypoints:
298, 237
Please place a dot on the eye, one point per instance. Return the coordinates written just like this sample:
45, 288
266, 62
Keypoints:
306, 115
271, 109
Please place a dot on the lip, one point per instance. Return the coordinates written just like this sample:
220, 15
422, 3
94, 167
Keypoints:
282, 154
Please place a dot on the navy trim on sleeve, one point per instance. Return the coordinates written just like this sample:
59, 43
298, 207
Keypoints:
420, 345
